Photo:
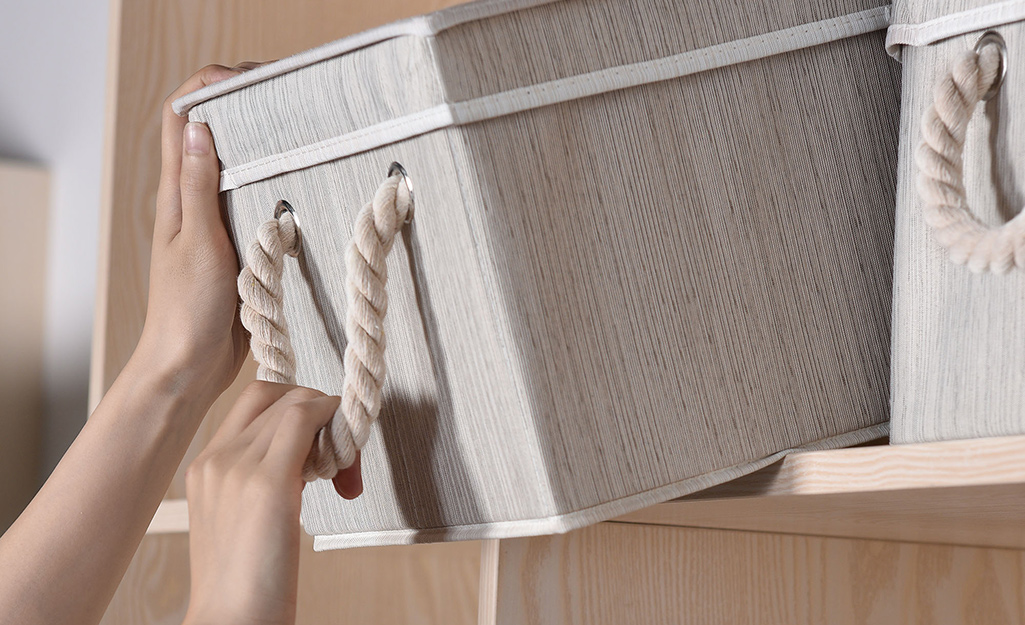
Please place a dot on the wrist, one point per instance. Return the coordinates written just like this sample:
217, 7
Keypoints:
170, 374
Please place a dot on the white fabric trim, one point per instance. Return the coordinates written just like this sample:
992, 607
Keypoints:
391, 131
420, 26
556, 91
581, 518
981, 18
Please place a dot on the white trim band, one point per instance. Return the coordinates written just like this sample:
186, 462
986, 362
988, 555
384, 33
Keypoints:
420, 26
981, 18
556, 91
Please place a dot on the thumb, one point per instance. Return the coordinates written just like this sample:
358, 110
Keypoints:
200, 181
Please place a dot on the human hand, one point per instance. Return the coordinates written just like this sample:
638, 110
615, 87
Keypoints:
192, 331
244, 492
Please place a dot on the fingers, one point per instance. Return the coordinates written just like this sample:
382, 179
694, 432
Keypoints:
200, 182
349, 481
274, 426
245, 66
168, 219
294, 433
255, 399
284, 412
260, 412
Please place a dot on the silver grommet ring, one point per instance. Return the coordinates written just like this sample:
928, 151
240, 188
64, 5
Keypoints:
280, 209
992, 37
397, 168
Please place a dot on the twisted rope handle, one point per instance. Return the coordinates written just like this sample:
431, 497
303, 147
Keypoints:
262, 313
940, 159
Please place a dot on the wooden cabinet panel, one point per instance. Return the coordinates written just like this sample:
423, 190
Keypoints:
155, 590
623, 574
413, 584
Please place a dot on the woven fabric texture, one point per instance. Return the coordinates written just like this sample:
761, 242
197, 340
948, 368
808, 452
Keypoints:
603, 302
959, 343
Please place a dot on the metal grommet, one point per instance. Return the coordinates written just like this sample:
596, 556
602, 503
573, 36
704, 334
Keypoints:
397, 168
992, 37
280, 209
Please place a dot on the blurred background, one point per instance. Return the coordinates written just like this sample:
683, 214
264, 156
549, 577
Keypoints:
53, 77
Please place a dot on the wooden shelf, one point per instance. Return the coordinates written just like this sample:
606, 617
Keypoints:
969, 492
959, 492
172, 517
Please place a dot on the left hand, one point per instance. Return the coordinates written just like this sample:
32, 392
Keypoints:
244, 494
192, 329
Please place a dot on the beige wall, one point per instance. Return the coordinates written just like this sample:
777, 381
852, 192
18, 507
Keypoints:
53, 60
24, 198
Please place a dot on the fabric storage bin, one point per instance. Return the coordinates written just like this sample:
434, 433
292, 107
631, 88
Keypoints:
959, 334
651, 251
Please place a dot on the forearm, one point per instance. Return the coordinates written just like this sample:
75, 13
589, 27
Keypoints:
63, 558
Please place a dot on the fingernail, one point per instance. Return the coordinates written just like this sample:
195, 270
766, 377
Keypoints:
197, 138
354, 488
349, 482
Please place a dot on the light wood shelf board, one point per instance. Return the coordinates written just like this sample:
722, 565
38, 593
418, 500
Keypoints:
172, 517
974, 462
962, 493
969, 492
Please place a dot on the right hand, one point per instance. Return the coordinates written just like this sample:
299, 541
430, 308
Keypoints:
244, 492
192, 331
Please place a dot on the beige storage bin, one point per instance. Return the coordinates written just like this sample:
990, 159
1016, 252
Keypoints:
651, 248
959, 332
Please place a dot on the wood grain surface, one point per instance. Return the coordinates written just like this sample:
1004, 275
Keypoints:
155, 589
419, 584
25, 208
961, 492
733, 305
617, 574
977, 462
572, 336
405, 584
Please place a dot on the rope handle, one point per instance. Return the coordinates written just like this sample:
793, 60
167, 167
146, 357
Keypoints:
940, 158
261, 291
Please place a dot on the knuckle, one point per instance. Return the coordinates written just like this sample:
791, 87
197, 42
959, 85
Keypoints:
215, 467
260, 388
303, 421
304, 418
236, 478
168, 107
206, 75
204, 470
295, 413
197, 182
193, 472
208, 71
303, 394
